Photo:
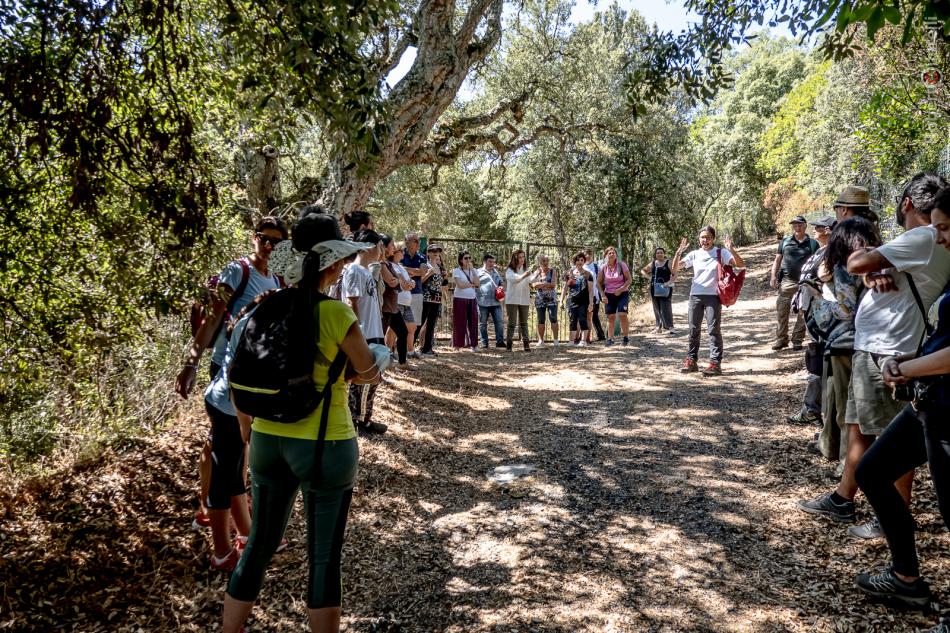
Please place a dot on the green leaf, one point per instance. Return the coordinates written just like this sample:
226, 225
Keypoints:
875, 22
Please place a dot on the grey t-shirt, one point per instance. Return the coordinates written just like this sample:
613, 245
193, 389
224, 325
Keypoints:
358, 283
256, 284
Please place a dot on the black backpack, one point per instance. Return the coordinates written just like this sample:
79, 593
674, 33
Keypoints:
271, 374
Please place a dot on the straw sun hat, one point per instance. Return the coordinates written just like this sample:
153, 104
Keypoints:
853, 196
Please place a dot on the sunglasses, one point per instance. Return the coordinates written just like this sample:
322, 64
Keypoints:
267, 239
464, 259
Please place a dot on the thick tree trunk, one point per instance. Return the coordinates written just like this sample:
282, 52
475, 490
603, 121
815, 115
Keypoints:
258, 170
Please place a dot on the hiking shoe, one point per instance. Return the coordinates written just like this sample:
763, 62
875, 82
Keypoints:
626, 341
805, 417
689, 366
887, 585
500, 344
609, 342
371, 428
201, 521
868, 531
671, 333
824, 504
240, 542
779, 346
427, 352
798, 347
713, 370
228, 563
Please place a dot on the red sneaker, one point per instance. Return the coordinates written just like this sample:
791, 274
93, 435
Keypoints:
689, 366
240, 542
713, 370
200, 521
228, 563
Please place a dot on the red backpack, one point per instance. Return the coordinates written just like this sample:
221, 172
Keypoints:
730, 281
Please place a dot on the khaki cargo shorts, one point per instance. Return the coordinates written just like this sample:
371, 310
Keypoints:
871, 404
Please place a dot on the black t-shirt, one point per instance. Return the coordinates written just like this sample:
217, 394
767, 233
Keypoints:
794, 255
661, 274
577, 292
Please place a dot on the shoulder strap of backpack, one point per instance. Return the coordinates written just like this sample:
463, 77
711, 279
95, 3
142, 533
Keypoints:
333, 374
718, 255
239, 291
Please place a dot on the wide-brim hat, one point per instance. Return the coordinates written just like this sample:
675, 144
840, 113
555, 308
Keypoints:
853, 196
322, 233
434, 247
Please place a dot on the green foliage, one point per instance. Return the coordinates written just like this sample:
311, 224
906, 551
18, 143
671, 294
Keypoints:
730, 133
780, 145
692, 60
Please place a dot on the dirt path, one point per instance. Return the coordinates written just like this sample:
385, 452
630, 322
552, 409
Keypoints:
661, 502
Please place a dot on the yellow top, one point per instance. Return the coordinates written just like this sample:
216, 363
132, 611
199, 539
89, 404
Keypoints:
335, 321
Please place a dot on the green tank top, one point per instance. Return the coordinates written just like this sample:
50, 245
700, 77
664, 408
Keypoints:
336, 318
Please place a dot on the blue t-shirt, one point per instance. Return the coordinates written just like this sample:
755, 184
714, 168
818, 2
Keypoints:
218, 393
256, 284
414, 261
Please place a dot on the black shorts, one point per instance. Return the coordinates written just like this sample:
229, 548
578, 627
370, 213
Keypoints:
617, 304
227, 459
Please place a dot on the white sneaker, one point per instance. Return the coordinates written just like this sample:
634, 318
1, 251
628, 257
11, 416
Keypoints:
583, 343
540, 343
556, 342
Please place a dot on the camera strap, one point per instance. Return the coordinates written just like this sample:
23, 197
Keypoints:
928, 329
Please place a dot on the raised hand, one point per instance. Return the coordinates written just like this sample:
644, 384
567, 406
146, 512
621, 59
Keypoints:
684, 244
728, 244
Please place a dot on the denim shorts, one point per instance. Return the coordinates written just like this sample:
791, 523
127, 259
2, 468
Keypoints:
617, 304
551, 310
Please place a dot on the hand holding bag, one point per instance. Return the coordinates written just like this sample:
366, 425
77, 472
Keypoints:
660, 289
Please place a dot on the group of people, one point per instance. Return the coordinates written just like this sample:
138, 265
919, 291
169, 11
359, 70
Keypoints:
878, 318
879, 357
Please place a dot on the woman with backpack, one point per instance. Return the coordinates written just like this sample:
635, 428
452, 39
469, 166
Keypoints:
831, 320
614, 282
235, 287
283, 455
661, 290
704, 295
918, 435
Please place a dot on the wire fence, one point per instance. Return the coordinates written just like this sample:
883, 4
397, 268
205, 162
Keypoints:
560, 258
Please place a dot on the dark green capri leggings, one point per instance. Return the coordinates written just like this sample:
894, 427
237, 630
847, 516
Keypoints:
279, 466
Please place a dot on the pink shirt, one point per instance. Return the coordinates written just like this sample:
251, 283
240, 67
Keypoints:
614, 276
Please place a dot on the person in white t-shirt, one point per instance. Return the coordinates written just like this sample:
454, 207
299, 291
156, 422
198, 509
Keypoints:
889, 322
465, 304
361, 293
704, 295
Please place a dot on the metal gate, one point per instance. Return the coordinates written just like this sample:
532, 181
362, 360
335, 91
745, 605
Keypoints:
560, 257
